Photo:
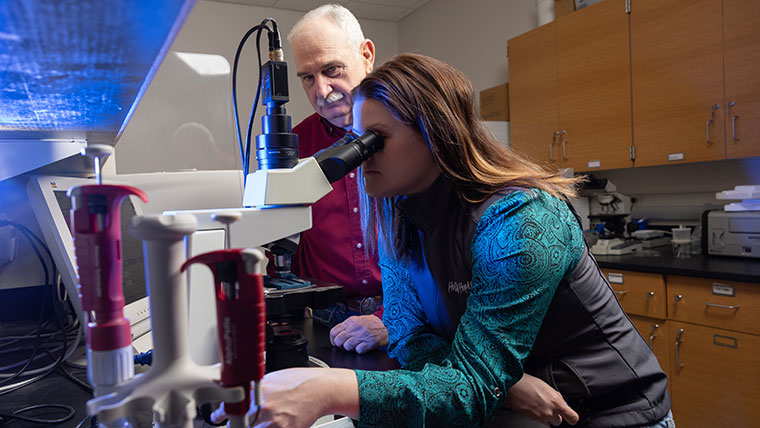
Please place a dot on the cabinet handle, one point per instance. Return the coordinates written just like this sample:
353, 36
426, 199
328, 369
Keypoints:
733, 128
715, 305
650, 294
621, 292
564, 143
733, 121
678, 344
652, 334
551, 146
710, 121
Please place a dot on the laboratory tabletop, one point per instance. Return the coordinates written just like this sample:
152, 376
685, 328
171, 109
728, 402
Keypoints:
697, 265
57, 389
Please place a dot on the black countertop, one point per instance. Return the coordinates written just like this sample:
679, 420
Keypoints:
319, 346
698, 265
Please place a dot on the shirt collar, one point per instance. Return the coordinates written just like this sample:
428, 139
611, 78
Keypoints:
332, 130
433, 204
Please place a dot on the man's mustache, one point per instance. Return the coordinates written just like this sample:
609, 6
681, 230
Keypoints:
333, 97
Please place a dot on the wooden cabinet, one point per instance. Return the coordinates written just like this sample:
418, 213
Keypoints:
643, 298
677, 80
593, 66
639, 293
570, 90
706, 336
672, 82
714, 376
730, 305
714, 330
696, 86
534, 123
741, 31
655, 332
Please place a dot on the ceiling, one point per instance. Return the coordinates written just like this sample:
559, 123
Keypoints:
383, 10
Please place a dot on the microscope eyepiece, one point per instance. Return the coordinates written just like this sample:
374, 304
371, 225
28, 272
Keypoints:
347, 154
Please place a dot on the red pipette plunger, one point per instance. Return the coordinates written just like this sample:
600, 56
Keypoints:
241, 318
96, 228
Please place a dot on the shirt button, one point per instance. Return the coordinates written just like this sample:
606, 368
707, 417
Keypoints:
356, 210
497, 392
364, 281
359, 245
352, 175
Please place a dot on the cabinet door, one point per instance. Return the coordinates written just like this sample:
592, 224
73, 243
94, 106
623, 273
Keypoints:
715, 377
742, 56
593, 65
677, 77
533, 95
655, 333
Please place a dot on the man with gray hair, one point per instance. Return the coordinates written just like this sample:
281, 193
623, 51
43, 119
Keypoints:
332, 56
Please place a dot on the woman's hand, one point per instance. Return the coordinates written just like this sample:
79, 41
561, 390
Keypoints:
297, 397
539, 401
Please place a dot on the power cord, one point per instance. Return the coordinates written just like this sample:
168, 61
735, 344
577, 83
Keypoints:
34, 241
274, 43
4, 417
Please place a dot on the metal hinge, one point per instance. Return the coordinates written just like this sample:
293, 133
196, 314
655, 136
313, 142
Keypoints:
633, 152
628, 6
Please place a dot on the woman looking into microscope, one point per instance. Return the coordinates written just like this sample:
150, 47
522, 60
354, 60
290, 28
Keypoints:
486, 278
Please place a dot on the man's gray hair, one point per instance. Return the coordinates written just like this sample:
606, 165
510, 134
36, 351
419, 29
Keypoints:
338, 15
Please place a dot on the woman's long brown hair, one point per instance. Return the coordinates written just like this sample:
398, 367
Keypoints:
437, 101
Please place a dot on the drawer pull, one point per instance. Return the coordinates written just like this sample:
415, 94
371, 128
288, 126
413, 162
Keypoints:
652, 334
621, 292
678, 345
727, 341
650, 294
715, 305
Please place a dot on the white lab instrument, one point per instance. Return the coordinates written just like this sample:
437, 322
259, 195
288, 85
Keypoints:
616, 247
681, 242
174, 384
749, 195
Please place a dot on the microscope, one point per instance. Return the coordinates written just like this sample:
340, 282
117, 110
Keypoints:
276, 207
609, 212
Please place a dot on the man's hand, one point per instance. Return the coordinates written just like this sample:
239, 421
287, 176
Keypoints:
361, 333
539, 401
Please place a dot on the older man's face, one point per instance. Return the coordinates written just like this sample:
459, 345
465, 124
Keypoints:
329, 69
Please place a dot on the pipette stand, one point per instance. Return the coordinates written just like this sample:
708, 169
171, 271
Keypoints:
174, 384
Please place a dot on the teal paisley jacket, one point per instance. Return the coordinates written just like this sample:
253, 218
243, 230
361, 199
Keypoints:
523, 247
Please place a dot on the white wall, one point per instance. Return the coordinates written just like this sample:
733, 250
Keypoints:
216, 28
470, 35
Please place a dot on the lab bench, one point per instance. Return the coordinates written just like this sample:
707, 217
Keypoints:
701, 317
57, 389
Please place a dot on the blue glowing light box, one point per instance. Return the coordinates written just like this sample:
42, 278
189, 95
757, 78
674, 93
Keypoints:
72, 71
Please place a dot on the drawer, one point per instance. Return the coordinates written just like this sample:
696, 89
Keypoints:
730, 305
639, 293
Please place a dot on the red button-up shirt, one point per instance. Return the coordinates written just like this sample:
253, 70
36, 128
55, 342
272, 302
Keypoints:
334, 249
